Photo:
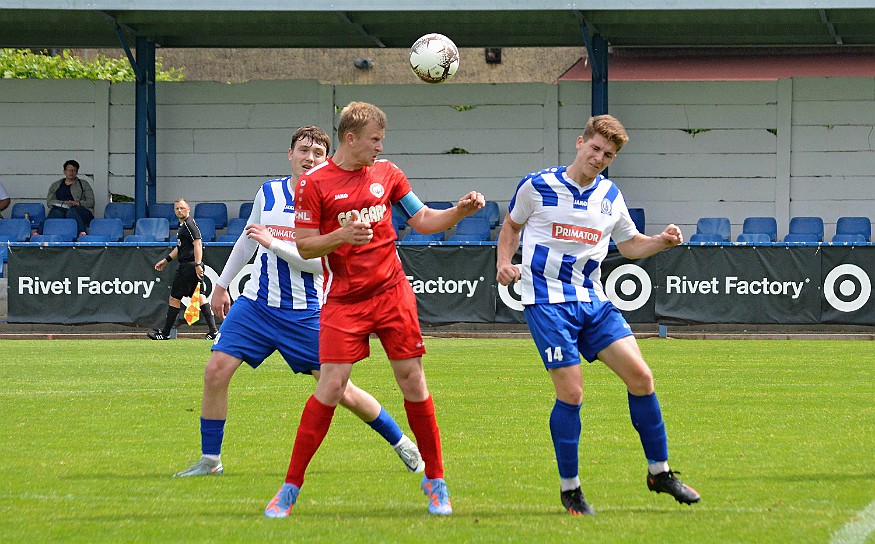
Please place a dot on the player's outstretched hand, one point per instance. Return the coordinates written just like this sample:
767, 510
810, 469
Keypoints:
470, 203
260, 234
356, 231
159, 266
672, 236
508, 274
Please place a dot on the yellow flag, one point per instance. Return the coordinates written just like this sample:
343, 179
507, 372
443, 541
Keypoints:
193, 312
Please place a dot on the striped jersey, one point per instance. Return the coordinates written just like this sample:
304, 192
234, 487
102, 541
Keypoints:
566, 234
274, 281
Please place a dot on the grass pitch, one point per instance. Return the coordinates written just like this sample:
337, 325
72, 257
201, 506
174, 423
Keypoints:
777, 436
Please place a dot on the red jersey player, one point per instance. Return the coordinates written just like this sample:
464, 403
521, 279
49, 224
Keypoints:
343, 213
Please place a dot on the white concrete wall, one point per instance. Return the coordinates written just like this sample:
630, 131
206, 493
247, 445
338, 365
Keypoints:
697, 149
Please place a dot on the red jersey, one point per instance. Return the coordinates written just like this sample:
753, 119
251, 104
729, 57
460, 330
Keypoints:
326, 196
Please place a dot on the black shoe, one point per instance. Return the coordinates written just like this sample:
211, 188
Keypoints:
667, 482
574, 502
211, 335
158, 335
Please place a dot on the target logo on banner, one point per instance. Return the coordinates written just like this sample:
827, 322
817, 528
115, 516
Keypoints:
847, 288
511, 296
629, 287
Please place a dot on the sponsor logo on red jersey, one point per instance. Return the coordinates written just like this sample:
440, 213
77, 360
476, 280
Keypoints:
576, 234
282, 233
303, 215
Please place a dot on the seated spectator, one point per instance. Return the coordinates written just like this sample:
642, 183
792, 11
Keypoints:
4, 200
71, 196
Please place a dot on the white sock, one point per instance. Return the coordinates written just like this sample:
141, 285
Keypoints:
658, 468
568, 484
212, 457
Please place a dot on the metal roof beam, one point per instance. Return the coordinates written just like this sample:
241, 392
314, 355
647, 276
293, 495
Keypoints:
830, 27
360, 29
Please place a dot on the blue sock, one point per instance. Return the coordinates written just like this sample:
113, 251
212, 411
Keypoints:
647, 420
386, 426
565, 430
212, 433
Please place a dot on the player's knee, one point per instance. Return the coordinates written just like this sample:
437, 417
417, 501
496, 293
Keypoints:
640, 382
217, 374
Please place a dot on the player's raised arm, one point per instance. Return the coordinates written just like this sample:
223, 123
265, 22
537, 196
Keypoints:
429, 221
641, 246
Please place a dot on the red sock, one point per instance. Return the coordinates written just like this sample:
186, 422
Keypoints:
420, 416
315, 421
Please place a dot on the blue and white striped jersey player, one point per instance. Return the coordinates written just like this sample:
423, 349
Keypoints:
277, 311
570, 214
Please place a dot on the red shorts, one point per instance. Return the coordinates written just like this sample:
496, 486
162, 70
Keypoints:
345, 328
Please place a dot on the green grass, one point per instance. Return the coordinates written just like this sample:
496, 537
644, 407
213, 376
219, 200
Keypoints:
776, 435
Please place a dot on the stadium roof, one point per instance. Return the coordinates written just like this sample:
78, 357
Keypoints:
470, 23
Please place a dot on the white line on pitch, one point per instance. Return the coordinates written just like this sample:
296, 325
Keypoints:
858, 529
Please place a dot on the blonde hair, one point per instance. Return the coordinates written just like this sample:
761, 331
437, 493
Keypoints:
356, 115
609, 127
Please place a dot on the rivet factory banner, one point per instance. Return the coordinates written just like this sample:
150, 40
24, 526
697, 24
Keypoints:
687, 284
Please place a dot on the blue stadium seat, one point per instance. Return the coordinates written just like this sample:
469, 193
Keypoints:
714, 225
236, 226
802, 238
65, 228
227, 238
849, 239
415, 236
805, 229
165, 210
137, 238
398, 222
110, 227
638, 216
125, 211
761, 225
439, 204
706, 237
157, 227
754, 238
217, 211
491, 212
207, 227
245, 210
15, 229
35, 210
95, 238
466, 238
474, 226
854, 225
42, 238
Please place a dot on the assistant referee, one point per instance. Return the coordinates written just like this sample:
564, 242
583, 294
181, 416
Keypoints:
189, 251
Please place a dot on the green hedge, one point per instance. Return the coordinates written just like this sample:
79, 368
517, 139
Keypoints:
25, 64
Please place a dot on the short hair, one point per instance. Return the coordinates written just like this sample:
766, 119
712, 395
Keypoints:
313, 134
609, 127
356, 115
178, 200
71, 162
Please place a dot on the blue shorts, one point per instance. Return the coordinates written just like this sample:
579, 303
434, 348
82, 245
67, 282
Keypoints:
252, 331
565, 331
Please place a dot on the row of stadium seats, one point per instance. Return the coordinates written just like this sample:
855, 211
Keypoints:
111, 229
35, 212
803, 229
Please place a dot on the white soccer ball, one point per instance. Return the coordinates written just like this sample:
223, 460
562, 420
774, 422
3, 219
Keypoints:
434, 58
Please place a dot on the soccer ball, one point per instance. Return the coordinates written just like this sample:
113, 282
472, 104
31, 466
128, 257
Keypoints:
434, 58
